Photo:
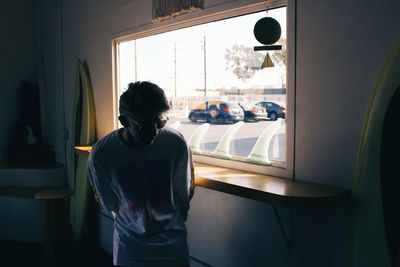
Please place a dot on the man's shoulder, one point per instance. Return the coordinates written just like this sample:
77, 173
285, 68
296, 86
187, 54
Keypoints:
103, 144
171, 134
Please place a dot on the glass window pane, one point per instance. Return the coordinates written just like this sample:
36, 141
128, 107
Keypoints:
216, 78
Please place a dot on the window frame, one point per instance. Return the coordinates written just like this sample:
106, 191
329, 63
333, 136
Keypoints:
220, 12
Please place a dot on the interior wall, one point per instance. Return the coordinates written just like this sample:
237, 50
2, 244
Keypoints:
226, 230
17, 64
341, 46
50, 67
341, 49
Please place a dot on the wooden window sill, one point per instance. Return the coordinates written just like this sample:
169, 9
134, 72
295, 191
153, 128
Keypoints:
273, 190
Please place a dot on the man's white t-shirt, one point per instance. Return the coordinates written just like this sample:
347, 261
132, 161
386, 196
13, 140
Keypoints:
149, 191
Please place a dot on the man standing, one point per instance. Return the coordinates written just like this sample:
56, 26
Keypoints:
143, 175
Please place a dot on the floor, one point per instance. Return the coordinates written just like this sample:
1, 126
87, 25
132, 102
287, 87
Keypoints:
15, 254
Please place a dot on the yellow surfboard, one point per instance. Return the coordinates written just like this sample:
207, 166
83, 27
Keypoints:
84, 133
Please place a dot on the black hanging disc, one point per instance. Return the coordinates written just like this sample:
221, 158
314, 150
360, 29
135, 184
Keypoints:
267, 30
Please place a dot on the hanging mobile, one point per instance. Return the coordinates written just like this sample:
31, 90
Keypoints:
267, 31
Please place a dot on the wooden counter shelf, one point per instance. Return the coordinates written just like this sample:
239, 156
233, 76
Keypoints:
268, 189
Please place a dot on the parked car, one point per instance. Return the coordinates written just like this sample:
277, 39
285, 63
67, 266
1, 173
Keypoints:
253, 112
274, 110
217, 111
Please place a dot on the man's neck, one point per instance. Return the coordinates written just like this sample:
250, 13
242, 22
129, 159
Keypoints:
128, 139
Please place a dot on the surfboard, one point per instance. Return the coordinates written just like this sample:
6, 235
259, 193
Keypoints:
84, 133
369, 246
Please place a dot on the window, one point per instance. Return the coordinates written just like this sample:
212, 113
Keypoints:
231, 110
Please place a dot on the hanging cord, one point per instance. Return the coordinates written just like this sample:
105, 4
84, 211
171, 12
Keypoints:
65, 135
267, 5
41, 59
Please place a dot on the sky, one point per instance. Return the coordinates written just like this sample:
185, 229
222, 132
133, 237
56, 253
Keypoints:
176, 60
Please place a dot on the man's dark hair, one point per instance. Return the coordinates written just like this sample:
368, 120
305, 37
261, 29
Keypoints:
142, 97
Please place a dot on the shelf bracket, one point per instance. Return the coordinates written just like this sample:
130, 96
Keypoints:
288, 237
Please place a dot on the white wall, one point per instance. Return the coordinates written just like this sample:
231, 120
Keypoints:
17, 63
341, 47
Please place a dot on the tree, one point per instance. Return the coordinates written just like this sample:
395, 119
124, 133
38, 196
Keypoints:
279, 56
245, 62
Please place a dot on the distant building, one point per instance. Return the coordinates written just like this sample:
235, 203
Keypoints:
254, 91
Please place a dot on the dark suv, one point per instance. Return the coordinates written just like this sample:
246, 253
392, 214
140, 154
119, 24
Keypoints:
217, 111
273, 110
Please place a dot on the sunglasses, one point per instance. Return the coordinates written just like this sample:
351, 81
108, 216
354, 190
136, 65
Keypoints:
159, 123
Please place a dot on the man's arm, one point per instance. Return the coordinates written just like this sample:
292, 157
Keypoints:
192, 184
101, 187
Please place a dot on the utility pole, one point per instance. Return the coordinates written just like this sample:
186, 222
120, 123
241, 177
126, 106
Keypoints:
205, 64
135, 63
175, 67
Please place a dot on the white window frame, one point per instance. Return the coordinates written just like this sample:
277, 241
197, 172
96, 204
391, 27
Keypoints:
210, 14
